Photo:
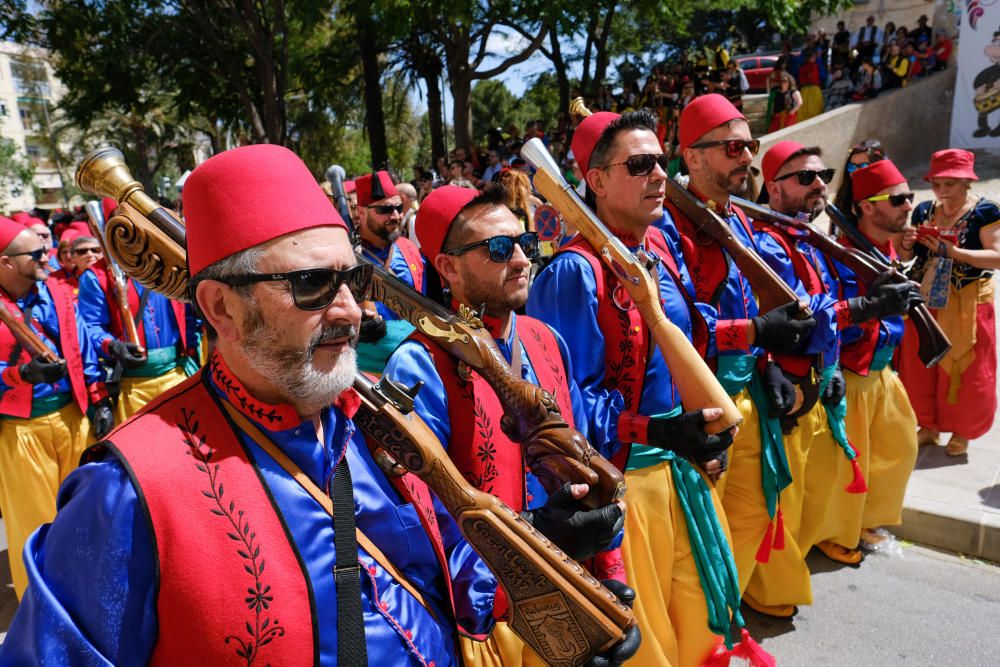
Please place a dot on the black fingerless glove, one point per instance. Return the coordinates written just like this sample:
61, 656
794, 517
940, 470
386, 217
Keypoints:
780, 390
627, 647
835, 389
102, 418
372, 329
685, 435
38, 371
778, 330
129, 354
579, 532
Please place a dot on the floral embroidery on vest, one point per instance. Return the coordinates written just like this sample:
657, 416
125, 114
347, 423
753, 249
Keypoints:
263, 630
486, 452
274, 417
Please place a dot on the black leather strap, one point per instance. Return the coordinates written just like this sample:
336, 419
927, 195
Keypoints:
352, 650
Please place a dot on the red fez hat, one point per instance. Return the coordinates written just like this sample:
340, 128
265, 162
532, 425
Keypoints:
349, 187
9, 229
875, 178
78, 228
587, 134
240, 198
108, 205
952, 163
32, 221
374, 187
703, 115
21, 218
776, 157
436, 213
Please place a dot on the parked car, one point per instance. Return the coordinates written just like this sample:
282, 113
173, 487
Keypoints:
757, 69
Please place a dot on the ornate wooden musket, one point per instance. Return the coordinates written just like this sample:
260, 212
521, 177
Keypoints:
26, 337
557, 608
119, 282
696, 383
146, 252
555, 452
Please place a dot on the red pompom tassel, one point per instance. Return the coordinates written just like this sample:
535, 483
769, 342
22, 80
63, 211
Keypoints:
764, 550
719, 657
779, 531
751, 651
857, 485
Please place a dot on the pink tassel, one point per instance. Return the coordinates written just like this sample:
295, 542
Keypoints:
857, 485
764, 550
751, 651
719, 657
779, 532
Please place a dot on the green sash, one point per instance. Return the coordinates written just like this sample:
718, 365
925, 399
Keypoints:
159, 361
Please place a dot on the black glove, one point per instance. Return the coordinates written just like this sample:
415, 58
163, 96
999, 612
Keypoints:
884, 299
373, 329
685, 435
129, 354
777, 330
628, 647
38, 371
835, 389
101, 417
780, 390
579, 532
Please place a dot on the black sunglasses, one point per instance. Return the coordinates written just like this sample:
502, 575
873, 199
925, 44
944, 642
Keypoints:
35, 255
734, 147
502, 247
315, 289
807, 176
387, 209
643, 163
895, 200
80, 252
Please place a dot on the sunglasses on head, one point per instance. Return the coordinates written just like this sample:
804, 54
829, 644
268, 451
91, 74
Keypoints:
80, 252
387, 209
853, 166
734, 147
35, 255
895, 200
807, 176
315, 289
502, 247
643, 163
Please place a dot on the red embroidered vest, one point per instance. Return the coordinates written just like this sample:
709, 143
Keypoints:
857, 356
414, 261
100, 269
17, 400
626, 336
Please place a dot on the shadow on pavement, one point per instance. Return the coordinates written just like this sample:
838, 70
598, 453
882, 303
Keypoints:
819, 564
763, 627
935, 457
991, 495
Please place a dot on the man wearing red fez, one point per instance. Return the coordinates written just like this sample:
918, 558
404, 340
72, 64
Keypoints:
958, 247
351, 192
880, 423
677, 559
43, 431
380, 226
198, 533
483, 255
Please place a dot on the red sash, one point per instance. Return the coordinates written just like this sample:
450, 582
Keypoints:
115, 325
626, 336
414, 261
17, 400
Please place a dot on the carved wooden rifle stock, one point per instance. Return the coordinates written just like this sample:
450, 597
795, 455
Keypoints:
26, 337
555, 452
557, 608
696, 383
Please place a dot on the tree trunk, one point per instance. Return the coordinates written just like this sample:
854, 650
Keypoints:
560, 66
601, 64
461, 93
375, 116
434, 116
585, 78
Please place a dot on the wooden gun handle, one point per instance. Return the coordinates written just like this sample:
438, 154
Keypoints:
26, 337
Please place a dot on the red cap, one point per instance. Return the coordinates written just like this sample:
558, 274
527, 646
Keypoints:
21, 218
9, 229
436, 213
241, 198
75, 230
952, 163
32, 221
875, 178
703, 115
108, 205
349, 187
586, 136
374, 187
776, 157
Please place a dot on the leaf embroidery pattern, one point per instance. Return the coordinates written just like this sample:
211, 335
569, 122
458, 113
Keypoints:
621, 368
236, 393
258, 598
554, 368
485, 451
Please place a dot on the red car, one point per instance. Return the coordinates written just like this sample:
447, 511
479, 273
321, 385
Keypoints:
756, 69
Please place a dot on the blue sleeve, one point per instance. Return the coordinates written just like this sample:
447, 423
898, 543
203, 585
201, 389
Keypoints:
93, 370
849, 288
411, 363
91, 598
564, 296
193, 328
93, 307
575, 396
473, 583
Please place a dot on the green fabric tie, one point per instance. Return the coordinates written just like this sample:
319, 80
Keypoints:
735, 371
712, 555
43, 406
774, 472
372, 357
835, 415
159, 361
881, 358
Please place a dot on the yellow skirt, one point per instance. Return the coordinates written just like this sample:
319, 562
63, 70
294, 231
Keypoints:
670, 604
36, 455
812, 102
137, 392
883, 428
503, 648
